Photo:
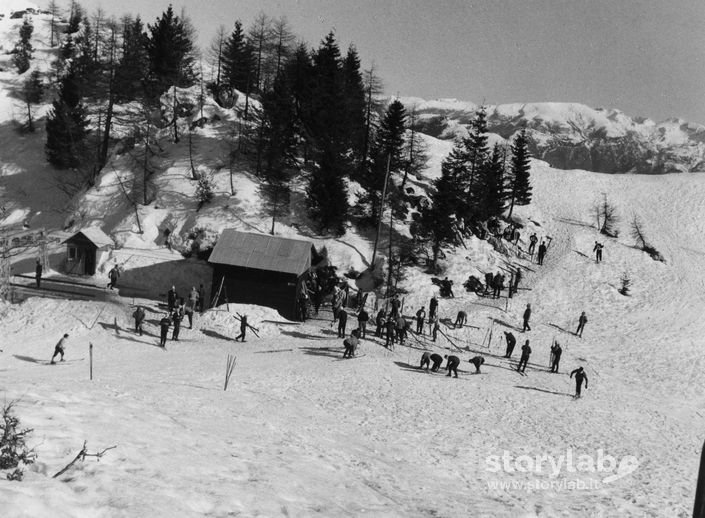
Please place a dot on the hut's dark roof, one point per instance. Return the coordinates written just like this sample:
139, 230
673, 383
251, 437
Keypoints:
262, 252
95, 235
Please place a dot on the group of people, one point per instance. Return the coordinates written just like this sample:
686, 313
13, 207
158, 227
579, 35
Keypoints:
543, 248
451, 365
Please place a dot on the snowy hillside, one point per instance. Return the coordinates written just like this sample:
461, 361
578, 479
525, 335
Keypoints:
302, 432
575, 136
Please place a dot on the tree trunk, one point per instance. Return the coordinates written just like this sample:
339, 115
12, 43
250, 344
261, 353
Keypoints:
30, 125
176, 130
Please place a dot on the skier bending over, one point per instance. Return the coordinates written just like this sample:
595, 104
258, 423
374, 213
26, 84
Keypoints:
425, 360
580, 376
437, 360
477, 361
461, 319
452, 365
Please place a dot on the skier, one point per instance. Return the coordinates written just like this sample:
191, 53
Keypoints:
243, 329
437, 360
525, 353
401, 329
59, 348
362, 318
189, 308
434, 327
527, 316
461, 319
542, 252
351, 344
139, 315
498, 285
177, 316
432, 308
171, 298
164, 324
113, 274
532, 243
580, 376
517, 280
598, 256
394, 313
38, 273
425, 360
452, 365
582, 320
420, 318
556, 352
390, 331
342, 322
489, 282
511, 342
477, 361
380, 320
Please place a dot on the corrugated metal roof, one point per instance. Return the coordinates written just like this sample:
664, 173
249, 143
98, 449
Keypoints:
262, 252
95, 235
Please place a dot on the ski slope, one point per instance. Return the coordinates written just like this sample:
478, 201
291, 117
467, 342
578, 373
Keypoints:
301, 432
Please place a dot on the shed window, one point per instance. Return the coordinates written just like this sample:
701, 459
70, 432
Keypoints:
72, 253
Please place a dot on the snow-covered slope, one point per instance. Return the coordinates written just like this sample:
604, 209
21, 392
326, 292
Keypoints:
575, 136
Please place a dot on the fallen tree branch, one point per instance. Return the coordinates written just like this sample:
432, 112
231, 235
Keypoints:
81, 456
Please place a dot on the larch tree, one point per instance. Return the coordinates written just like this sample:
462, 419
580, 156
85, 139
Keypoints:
520, 181
32, 93
22, 53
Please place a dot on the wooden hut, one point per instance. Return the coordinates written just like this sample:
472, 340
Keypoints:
259, 269
85, 250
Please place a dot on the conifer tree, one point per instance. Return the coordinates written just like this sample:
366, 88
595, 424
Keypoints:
133, 64
239, 65
492, 182
415, 149
282, 40
32, 92
476, 154
215, 55
23, 48
354, 96
76, 15
520, 185
66, 127
373, 107
260, 38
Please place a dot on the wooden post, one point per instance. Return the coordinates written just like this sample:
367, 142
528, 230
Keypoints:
90, 355
699, 507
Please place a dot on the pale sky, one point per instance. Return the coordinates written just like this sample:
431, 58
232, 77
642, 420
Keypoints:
644, 57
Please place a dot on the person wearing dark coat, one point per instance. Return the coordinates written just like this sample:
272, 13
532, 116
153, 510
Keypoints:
489, 282
532, 243
401, 329
582, 320
580, 376
527, 316
395, 308
380, 321
511, 342
517, 280
498, 286
60, 348
362, 318
177, 317
243, 329
556, 351
542, 252
525, 353
477, 361
171, 298
113, 274
164, 325
432, 308
452, 365
461, 319
425, 360
437, 360
598, 255
38, 273
342, 322
351, 344
434, 328
420, 318
139, 315
390, 332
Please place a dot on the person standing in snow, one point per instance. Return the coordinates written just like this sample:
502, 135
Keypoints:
164, 325
60, 347
420, 318
342, 322
517, 280
477, 361
434, 327
396, 303
390, 332
432, 308
461, 319
177, 317
452, 365
556, 351
598, 254
401, 329
171, 298
542, 252
188, 312
243, 329
527, 316
38, 273
489, 283
511, 342
580, 376
380, 321
362, 318
582, 320
139, 315
113, 274
532, 243
525, 353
